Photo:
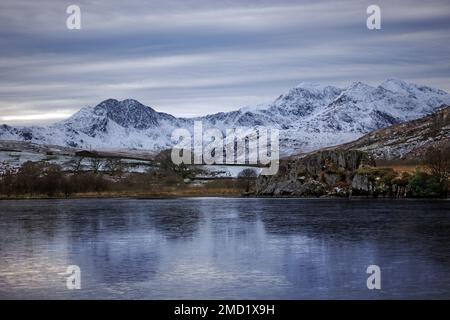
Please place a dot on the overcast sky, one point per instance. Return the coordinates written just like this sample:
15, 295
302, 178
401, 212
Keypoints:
192, 57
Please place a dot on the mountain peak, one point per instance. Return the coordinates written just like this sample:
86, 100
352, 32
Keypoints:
124, 106
358, 91
402, 87
310, 86
131, 102
127, 113
127, 103
396, 81
358, 85
108, 102
397, 86
314, 88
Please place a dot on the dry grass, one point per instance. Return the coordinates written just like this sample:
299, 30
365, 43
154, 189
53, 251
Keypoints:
161, 193
400, 166
404, 168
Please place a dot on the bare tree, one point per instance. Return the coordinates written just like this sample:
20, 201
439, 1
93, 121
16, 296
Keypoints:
247, 176
165, 163
115, 167
96, 164
437, 159
27, 177
6, 181
76, 164
51, 179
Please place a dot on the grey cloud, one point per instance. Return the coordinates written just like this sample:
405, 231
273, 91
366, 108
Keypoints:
195, 57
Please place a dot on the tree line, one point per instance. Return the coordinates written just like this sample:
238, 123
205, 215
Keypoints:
106, 175
34, 178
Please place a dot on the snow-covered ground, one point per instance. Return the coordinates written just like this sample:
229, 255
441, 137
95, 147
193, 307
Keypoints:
15, 159
223, 171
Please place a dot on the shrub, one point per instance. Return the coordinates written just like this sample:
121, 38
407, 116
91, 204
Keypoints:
425, 185
403, 180
384, 175
88, 182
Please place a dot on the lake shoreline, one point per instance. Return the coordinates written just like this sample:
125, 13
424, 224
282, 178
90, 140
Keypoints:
146, 196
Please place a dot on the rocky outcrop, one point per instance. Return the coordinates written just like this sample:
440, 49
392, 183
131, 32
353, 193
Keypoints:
350, 170
334, 173
294, 187
316, 174
379, 182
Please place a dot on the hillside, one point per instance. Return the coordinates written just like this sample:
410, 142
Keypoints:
408, 140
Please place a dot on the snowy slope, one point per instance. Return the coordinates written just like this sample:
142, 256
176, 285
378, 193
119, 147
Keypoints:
309, 117
407, 140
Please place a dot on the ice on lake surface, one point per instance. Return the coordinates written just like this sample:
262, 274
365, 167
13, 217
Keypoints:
211, 248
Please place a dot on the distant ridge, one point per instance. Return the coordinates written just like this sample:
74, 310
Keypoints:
309, 117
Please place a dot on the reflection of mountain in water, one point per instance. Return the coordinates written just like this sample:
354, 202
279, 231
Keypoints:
225, 248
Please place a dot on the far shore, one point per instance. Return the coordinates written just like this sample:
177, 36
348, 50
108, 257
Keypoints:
182, 194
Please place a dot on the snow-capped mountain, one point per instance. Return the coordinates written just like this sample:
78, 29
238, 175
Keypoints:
112, 124
308, 116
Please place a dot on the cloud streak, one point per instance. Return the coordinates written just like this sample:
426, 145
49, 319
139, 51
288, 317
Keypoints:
195, 57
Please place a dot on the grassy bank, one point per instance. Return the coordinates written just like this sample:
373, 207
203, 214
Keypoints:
163, 193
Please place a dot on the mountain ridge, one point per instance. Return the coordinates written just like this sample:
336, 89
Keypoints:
309, 117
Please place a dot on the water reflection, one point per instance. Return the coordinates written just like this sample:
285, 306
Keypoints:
225, 248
